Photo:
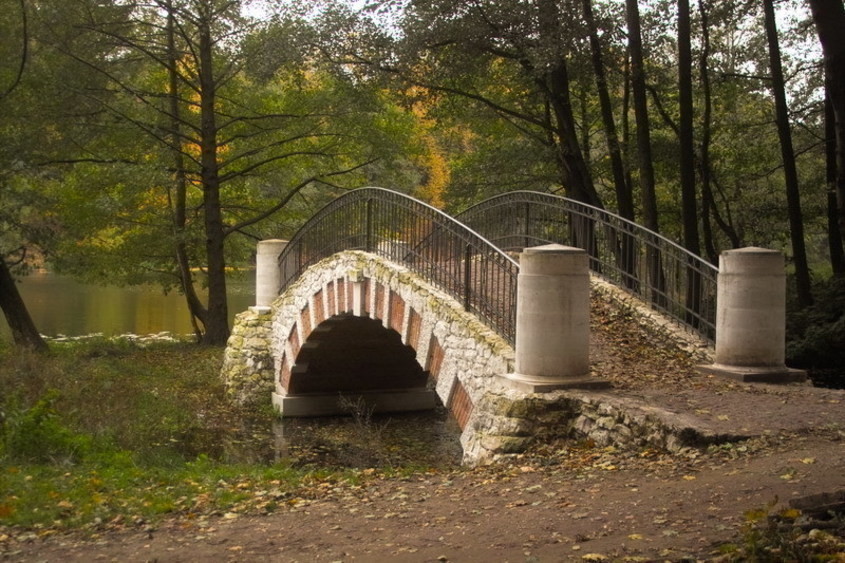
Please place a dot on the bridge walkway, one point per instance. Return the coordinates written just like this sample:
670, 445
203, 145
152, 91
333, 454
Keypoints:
651, 375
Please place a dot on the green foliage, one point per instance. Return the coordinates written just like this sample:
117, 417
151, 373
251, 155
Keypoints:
105, 431
36, 434
815, 334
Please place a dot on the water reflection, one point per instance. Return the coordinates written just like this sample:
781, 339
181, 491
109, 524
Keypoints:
428, 438
60, 305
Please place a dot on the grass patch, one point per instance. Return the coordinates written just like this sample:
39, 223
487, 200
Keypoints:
102, 432
115, 490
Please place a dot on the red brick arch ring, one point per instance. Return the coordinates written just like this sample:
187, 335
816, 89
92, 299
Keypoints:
457, 353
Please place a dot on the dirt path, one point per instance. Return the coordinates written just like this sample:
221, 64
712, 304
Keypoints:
560, 505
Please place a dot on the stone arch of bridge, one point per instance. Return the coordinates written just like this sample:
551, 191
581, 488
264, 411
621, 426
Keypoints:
358, 325
348, 354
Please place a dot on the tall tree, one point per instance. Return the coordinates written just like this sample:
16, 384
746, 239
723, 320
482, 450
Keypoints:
790, 172
230, 137
178, 195
638, 89
829, 17
835, 246
624, 197
553, 79
451, 48
24, 332
685, 129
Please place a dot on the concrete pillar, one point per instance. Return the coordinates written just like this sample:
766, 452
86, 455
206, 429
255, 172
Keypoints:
267, 274
751, 317
553, 320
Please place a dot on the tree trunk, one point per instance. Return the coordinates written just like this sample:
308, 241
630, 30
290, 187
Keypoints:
829, 17
555, 83
708, 204
625, 143
834, 233
624, 197
793, 198
217, 325
686, 140
586, 148
198, 312
646, 167
685, 130
17, 316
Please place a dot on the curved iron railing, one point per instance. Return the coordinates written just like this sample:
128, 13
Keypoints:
662, 273
422, 238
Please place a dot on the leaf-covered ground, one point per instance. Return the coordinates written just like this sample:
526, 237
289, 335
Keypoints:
559, 502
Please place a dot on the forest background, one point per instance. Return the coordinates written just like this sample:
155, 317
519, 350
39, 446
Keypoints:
156, 141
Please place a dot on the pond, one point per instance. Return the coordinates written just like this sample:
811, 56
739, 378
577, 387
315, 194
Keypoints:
424, 438
60, 305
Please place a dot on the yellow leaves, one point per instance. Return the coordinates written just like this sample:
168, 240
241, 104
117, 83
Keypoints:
635, 537
808, 460
689, 477
438, 174
756, 515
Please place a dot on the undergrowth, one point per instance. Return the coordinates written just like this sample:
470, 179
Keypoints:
771, 536
104, 432
815, 334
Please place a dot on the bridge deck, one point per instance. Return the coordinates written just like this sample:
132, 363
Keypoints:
654, 377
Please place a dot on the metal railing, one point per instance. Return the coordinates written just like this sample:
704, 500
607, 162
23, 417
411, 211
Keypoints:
658, 271
418, 236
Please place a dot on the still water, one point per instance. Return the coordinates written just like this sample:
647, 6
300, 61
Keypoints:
60, 305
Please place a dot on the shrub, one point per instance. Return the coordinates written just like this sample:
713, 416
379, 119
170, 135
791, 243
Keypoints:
37, 434
815, 334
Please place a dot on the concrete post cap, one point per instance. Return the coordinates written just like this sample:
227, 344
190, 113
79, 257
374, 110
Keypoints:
752, 260
553, 260
271, 246
554, 248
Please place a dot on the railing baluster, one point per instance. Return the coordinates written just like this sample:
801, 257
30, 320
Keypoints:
369, 226
655, 269
423, 238
467, 276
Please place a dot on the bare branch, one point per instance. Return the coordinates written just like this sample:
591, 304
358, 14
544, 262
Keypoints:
295, 190
24, 52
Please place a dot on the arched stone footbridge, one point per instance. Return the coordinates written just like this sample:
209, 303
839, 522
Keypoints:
383, 299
